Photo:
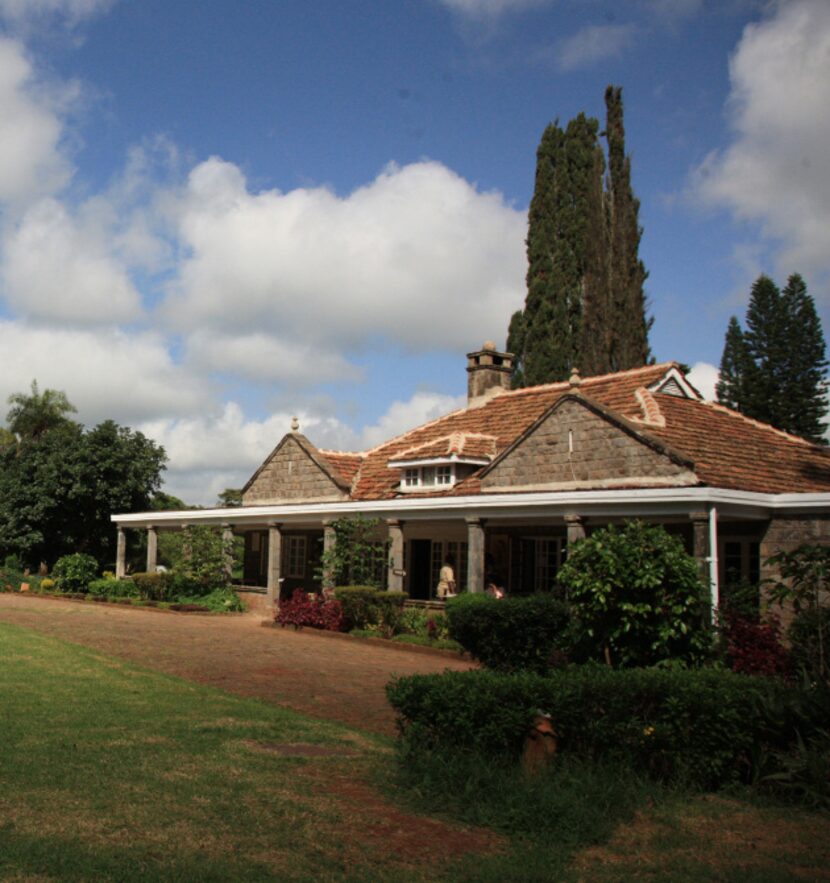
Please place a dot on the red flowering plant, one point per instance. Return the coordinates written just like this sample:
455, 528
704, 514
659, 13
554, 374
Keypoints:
754, 647
311, 610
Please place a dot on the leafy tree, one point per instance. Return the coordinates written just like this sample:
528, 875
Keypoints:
585, 304
30, 416
775, 371
636, 597
57, 492
164, 502
231, 498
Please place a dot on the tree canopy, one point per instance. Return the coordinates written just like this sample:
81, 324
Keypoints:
775, 370
585, 304
60, 484
30, 416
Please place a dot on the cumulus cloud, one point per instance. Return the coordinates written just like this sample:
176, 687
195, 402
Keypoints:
126, 377
401, 416
703, 378
404, 258
59, 268
773, 173
595, 43
31, 162
265, 358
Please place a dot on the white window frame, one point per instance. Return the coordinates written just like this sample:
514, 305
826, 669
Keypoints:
427, 478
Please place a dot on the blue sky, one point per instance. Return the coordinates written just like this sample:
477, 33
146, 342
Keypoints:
216, 215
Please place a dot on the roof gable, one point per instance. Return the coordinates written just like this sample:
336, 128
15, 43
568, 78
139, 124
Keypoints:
578, 443
295, 471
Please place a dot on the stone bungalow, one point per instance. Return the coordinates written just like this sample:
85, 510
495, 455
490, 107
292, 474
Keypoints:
504, 484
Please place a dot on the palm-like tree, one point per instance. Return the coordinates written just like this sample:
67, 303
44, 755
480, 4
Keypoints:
30, 416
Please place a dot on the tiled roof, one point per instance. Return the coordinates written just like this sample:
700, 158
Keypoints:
725, 448
460, 444
344, 463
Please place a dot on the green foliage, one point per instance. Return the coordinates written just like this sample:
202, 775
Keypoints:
585, 303
74, 573
432, 625
803, 584
230, 498
365, 606
199, 556
222, 600
705, 728
57, 492
33, 415
636, 598
775, 371
357, 557
509, 634
153, 586
114, 588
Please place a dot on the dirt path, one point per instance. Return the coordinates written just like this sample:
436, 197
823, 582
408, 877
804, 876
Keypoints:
324, 677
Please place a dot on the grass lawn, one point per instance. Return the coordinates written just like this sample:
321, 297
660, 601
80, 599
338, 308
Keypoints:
110, 772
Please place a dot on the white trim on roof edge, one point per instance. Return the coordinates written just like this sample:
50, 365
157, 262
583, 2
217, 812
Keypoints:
645, 501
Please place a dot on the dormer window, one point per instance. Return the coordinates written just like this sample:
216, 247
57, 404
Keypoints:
425, 478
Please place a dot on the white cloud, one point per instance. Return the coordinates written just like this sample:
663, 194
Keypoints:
59, 268
595, 43
25, 12
30, 130
265, 358
125, 377
490, 8
401, 416
404, 258
703, 378
774, 172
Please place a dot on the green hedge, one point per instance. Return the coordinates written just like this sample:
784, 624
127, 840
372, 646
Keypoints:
702, 727
509, 634
365, 606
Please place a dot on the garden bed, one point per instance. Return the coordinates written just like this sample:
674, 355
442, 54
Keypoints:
155, 606
379, 642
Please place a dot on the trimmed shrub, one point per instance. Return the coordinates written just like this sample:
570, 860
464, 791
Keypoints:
701, 727
509, 634
47, 584
432, 625
359, 605
636, 598
74, 573
153, 586
366, 607
315, 612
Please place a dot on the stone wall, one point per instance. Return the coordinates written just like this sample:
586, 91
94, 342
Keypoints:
603, 455
291, 476
787, 533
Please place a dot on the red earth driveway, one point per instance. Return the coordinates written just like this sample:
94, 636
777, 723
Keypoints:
322, 676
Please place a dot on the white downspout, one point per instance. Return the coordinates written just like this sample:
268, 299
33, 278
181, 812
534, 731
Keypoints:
714, 588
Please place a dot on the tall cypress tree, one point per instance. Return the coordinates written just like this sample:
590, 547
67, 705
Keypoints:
775, 371
627, 274
585, 305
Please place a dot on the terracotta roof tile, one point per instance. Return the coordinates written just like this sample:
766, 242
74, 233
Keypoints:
727, 449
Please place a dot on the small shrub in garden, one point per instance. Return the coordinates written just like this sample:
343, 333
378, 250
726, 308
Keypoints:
47, 584
315, 612
153, 586
359, 605
509, 634
754, 647
808, 634
73, 573
100, 588
702, 727
636, 598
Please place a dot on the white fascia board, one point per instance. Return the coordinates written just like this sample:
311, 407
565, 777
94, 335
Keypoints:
677, 376
621, 503
437, 461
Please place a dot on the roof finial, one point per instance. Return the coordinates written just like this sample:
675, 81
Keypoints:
575, 380
295, 424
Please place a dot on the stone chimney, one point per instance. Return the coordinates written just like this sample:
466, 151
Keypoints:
488, 374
